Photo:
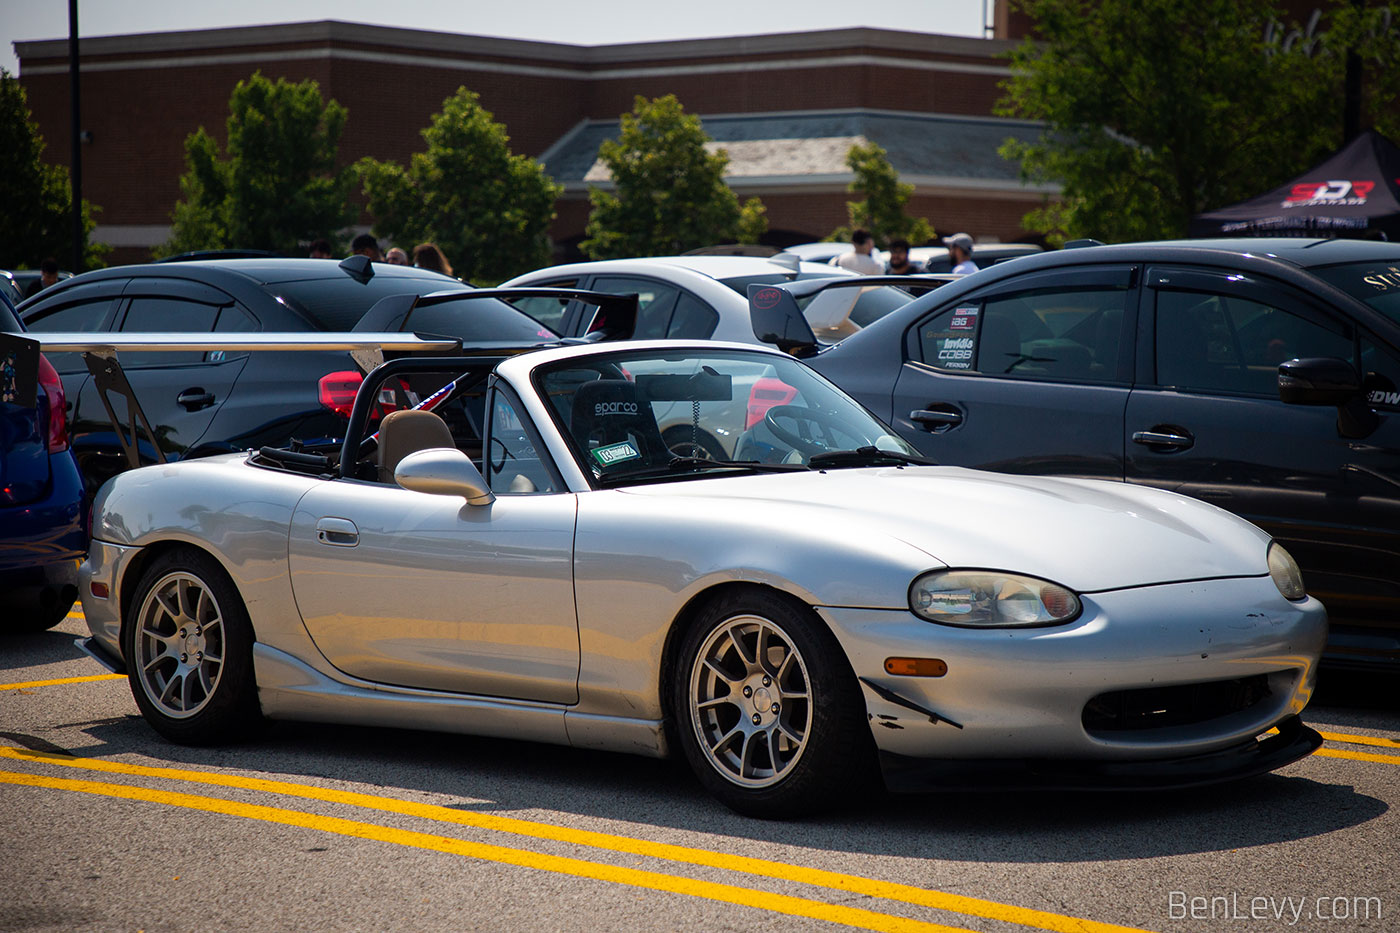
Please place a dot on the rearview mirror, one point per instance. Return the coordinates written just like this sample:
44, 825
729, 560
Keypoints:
443, 471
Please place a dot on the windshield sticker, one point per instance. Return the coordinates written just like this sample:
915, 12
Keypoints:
964, 319
615, 453
1384, 280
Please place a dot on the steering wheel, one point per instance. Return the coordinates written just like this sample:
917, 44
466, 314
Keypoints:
801, 440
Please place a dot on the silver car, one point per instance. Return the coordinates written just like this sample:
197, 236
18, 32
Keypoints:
819, 612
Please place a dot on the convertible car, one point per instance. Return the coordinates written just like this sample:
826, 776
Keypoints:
520, 553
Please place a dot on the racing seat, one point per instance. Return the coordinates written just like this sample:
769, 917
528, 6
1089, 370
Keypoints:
611, 411
406, 432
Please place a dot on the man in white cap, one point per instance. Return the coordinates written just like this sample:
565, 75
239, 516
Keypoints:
960, 250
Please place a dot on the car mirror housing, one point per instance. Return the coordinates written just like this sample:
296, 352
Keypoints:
1318, 381
443, 471
1328, 381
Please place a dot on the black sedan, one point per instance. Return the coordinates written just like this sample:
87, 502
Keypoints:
1260, 375
200, 403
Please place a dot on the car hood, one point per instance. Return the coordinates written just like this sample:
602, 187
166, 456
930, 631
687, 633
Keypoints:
1088, 535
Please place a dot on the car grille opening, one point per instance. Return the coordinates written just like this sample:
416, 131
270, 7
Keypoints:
1181, 705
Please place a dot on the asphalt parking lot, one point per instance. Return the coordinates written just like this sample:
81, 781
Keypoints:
105, 826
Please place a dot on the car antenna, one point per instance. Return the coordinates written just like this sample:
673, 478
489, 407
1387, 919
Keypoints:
358, 268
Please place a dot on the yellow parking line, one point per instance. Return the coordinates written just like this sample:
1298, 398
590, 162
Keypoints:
1358, 756
938, 900
725, 893
1359, 739
62, 680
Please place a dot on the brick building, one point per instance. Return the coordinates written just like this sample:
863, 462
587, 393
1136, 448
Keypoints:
786, 107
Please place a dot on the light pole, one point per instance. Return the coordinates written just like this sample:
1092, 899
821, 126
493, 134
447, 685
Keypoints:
76, 171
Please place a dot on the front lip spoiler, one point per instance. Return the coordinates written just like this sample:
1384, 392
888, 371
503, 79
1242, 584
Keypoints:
94, 649
905, 774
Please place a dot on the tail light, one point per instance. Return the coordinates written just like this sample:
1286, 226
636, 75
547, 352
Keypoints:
767, 393
58, 406
337, 392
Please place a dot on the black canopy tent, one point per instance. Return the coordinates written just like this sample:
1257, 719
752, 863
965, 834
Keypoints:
1355, 193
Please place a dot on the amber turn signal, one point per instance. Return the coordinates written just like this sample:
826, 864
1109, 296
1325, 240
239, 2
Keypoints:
916, 667
98, 589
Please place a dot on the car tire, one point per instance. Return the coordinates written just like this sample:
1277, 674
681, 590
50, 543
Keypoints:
767, 709
31, 619
188, 646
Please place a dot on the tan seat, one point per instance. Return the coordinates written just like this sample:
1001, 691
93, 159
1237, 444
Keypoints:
405, 432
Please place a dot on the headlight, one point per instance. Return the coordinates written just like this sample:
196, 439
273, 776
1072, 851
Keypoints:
1284, 569
986, 598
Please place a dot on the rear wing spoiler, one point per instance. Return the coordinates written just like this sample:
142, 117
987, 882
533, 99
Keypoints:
614, 319
100, 352
777, 319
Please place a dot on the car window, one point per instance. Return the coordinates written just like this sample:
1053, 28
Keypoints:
337, 304
232, 320
85, 317
655, 301
1228, 343
514, 465
153, 315
1051, 334
1376, 283
692, 320
548, 311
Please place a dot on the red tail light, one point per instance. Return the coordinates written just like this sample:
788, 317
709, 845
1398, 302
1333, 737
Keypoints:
58, 406
338, 390
767, 393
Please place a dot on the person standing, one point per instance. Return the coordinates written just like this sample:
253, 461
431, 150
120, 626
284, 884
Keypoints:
396, 257
900, 263
859, 258
321, 249
960, 251
48, 275
366, 245
428, 256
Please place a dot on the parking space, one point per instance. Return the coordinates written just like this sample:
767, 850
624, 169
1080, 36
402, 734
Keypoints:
106, 826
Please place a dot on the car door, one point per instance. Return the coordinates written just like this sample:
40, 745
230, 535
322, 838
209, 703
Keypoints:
178, 391
425, 591
1029, 376
1207, 421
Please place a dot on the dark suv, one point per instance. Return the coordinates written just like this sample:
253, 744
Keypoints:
42, 534
214, 402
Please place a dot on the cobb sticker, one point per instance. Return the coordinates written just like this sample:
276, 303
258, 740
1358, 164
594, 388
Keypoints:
956, 352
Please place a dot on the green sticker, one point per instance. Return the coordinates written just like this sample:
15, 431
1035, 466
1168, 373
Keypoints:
615, 453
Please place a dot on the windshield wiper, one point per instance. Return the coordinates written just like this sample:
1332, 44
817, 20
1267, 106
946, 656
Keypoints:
678, 464
865, 456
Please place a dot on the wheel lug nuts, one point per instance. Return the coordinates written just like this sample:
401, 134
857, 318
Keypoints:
766, 680
183, 658
757, 719
748, 691
775, 708
183, 634
199, 656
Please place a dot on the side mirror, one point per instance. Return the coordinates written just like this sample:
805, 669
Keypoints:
443, 471
1318, 381
1329, 381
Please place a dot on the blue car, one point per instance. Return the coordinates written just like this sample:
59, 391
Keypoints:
42, 504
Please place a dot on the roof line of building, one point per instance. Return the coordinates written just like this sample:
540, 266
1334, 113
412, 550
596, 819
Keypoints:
164, 43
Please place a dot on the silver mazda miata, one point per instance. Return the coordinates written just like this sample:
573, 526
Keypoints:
802, 607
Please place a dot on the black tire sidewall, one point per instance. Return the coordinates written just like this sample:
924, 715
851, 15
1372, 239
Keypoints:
232, 711
839, 758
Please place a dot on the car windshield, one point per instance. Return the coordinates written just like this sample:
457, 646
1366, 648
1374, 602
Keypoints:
840, 311
647, 416
1376, 283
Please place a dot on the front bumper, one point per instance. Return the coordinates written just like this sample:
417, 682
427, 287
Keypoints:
1039, 694
1248, 759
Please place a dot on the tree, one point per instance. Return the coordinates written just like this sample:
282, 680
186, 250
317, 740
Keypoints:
1155, 110
882, 210
488, 209
278, 186
670, 194
36, 199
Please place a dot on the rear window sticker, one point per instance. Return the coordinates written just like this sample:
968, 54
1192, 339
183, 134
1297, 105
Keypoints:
964, 318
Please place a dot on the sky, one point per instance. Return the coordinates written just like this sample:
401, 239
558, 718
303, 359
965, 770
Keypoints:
599, 22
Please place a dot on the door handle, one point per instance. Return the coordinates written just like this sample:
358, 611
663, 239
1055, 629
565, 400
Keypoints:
933, 419
337, 532
1174, 438
194, 399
